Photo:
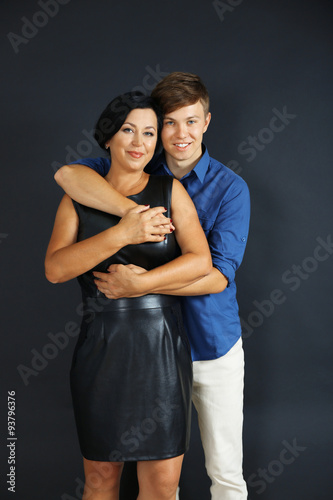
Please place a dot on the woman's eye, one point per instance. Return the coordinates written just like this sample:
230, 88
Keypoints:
127, 129
168, 123
150, 134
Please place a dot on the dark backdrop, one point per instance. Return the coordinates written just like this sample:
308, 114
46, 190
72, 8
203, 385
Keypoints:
268, 66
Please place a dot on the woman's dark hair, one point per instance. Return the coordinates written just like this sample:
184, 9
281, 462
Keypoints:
116, 112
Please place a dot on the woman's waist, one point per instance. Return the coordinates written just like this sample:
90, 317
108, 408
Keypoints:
103, 304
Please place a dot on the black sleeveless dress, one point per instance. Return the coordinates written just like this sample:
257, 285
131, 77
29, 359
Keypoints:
131, 375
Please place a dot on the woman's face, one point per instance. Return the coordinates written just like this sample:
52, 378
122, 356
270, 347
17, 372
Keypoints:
134, 144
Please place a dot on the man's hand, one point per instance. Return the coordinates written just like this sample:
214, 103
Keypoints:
120, 281
136, 269
144, 224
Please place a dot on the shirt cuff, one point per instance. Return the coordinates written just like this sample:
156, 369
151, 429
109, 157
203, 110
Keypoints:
227, 270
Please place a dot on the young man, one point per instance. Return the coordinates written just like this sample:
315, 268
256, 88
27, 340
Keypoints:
209, 305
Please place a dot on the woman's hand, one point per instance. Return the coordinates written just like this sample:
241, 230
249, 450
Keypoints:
142, 224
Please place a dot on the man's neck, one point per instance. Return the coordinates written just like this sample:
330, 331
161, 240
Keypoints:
179, 168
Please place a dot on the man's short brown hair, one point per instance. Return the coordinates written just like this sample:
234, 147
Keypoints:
179, 89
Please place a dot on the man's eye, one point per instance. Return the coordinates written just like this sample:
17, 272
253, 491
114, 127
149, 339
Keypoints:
191, 121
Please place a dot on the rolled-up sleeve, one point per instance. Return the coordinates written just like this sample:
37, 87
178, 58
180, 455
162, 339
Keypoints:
228, 237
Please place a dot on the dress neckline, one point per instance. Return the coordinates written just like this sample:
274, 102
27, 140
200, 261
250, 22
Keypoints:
140, 192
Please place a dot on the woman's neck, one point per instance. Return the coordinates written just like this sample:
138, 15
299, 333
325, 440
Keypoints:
127, 183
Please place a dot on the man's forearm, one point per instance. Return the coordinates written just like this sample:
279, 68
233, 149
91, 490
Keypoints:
214, 282
122, 281
182, 271
86, 186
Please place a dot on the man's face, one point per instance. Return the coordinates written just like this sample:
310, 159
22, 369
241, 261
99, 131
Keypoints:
182, 134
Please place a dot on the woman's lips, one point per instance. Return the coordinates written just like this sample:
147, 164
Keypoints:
135, 154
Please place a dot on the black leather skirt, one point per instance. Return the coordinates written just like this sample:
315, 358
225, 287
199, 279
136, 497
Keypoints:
131, 380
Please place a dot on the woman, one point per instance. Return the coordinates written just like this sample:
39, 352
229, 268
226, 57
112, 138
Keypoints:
131, 373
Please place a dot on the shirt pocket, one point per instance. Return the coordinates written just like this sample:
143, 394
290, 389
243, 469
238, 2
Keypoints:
206, 223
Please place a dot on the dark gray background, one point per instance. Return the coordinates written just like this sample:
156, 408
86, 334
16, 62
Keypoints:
254, 57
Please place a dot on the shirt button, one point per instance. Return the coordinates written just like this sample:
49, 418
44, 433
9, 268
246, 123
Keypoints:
243, 239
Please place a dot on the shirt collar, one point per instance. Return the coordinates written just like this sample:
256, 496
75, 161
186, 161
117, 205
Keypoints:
202, 166
200, 169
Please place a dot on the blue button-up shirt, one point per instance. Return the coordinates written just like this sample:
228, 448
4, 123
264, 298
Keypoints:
222, 201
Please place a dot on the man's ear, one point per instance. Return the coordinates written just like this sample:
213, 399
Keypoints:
207, 121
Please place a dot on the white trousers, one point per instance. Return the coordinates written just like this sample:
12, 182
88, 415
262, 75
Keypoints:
218, 398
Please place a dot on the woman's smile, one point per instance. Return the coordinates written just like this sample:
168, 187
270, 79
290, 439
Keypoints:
135, 154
